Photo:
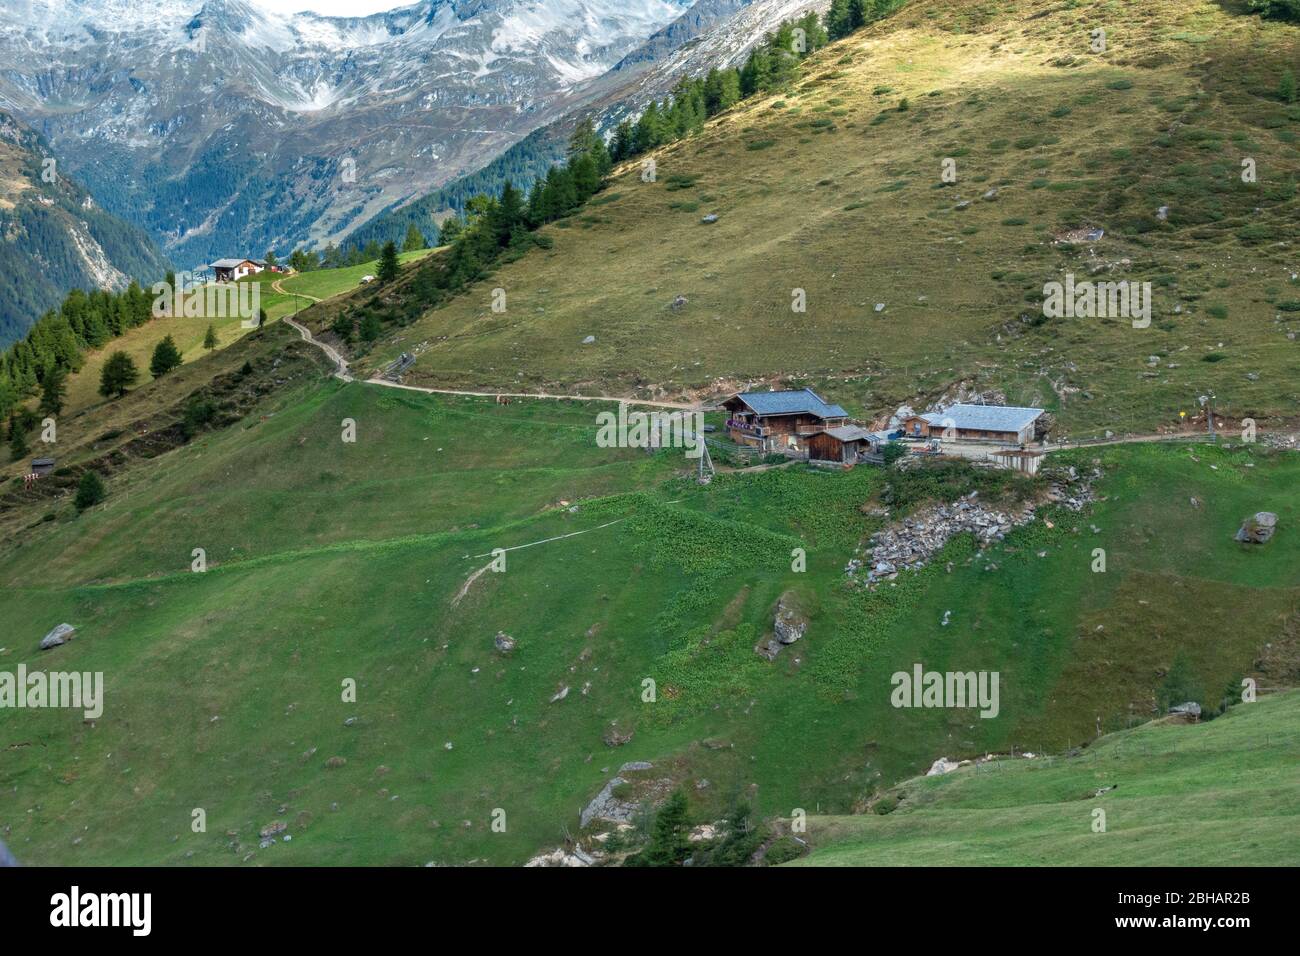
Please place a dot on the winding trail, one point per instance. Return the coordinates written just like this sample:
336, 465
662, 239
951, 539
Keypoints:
376, 380
340, 363
342, 372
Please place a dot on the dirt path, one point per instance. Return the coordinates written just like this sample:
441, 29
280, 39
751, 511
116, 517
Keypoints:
283, 291
575, 398
341, 371
340, 363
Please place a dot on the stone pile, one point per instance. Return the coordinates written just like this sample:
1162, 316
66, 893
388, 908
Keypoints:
915, 540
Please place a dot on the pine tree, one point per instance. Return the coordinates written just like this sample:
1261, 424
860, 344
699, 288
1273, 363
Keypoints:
586, 180
835, 19
508, 214
648, 132
814, 32
388, 266
53, 388
371, 328
118, 374
449, 230
90, 491
210, 338
669, 839
756, 77
271, 260
624, 142
17, 441
583, 139
414, 239
166, 356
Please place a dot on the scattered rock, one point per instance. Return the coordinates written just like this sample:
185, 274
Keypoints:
559, 858
60, 635
1258, 528
613, 738
560, 694
710, 218
272, 829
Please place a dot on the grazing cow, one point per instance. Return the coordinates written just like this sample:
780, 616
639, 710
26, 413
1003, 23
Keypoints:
503, 400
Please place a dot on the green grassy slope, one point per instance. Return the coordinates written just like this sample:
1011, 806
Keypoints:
189, 333
1224, 793
330, 562
835, 188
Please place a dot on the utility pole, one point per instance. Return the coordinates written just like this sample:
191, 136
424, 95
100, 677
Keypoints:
1207, 402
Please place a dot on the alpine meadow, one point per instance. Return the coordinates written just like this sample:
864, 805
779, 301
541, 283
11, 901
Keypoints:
654, 434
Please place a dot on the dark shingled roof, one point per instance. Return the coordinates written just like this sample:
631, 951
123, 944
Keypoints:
791, 403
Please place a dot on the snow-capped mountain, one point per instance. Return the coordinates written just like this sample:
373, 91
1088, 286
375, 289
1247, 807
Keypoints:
225, 129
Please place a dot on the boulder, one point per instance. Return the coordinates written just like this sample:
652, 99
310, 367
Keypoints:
503, 642
1256, 529
60, 635
1191, 708
790, 622
940, 767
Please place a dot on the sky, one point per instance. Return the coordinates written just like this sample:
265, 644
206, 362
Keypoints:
333, 8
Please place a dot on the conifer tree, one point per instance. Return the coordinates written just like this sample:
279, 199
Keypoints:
166, 356
388, 265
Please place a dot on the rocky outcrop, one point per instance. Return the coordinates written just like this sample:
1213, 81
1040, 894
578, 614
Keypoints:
605, 806
560, 858
790, 622
788, 625
1258, 528
60, 635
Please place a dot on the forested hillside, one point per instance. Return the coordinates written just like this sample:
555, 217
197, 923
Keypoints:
54, 237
